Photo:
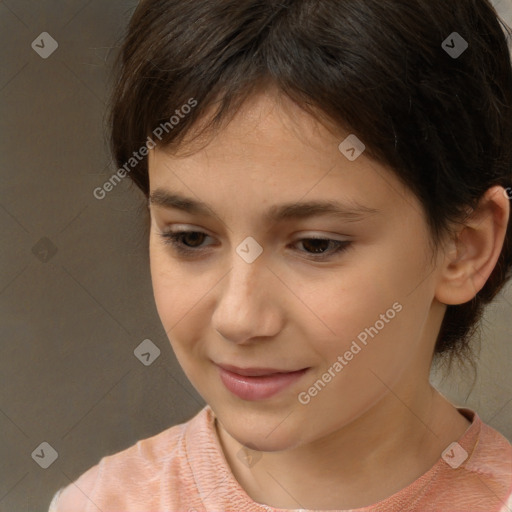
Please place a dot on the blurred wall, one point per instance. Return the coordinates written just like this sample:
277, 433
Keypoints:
75, 292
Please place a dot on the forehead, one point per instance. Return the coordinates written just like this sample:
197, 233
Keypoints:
267, 125
271, 152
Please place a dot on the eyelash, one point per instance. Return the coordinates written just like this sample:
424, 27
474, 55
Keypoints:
173, 239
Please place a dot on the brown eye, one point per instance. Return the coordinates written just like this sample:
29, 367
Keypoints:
319, 247
185, 242
188, 243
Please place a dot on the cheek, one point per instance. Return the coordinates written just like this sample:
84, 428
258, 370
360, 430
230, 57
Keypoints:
181, 298
365, 351
369, 315
352, 325
164, 282
178, 300
174, 294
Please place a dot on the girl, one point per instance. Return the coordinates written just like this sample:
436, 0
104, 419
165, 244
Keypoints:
328, 185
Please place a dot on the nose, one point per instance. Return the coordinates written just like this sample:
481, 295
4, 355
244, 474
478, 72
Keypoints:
248, 304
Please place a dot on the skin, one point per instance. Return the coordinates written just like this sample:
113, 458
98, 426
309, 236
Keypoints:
379, 424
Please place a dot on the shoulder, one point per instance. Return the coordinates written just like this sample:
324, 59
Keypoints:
474, 473
486, 476
507, 507
75, 495
131, 474
492, 455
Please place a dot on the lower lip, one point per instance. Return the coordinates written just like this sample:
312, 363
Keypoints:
258, 388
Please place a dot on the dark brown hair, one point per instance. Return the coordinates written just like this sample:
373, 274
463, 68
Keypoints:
377, 68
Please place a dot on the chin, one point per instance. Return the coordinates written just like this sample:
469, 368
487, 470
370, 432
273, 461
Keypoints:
263, 443
262, 435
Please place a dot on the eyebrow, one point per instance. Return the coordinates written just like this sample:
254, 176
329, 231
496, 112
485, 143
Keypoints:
277, 213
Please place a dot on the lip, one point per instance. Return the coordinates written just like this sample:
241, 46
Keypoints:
255, 372
257, 383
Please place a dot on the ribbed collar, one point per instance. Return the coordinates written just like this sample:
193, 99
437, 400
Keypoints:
219, 490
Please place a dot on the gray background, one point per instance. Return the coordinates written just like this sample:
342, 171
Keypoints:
75, 290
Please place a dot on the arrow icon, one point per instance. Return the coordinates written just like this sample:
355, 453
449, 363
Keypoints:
147, 352
455, 45
249, 249
454, 455
44, 45
249, 459
45, 455
351, 148
44, 250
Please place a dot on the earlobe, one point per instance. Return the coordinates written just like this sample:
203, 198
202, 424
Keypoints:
472, 254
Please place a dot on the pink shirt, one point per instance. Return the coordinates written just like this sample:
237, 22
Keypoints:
184, 469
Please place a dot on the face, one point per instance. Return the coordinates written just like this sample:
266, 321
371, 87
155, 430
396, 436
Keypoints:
258, 293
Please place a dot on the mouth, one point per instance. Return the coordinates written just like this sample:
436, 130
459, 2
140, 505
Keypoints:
257, 383
256, 372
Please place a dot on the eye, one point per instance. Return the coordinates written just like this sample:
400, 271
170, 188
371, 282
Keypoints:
175, 240
318, 245
188, 244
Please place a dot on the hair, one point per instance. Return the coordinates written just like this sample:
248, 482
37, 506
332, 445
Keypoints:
375, 68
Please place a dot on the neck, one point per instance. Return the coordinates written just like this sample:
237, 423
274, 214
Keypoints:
390, 445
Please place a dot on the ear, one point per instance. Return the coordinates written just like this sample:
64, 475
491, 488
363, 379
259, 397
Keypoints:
472, 253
